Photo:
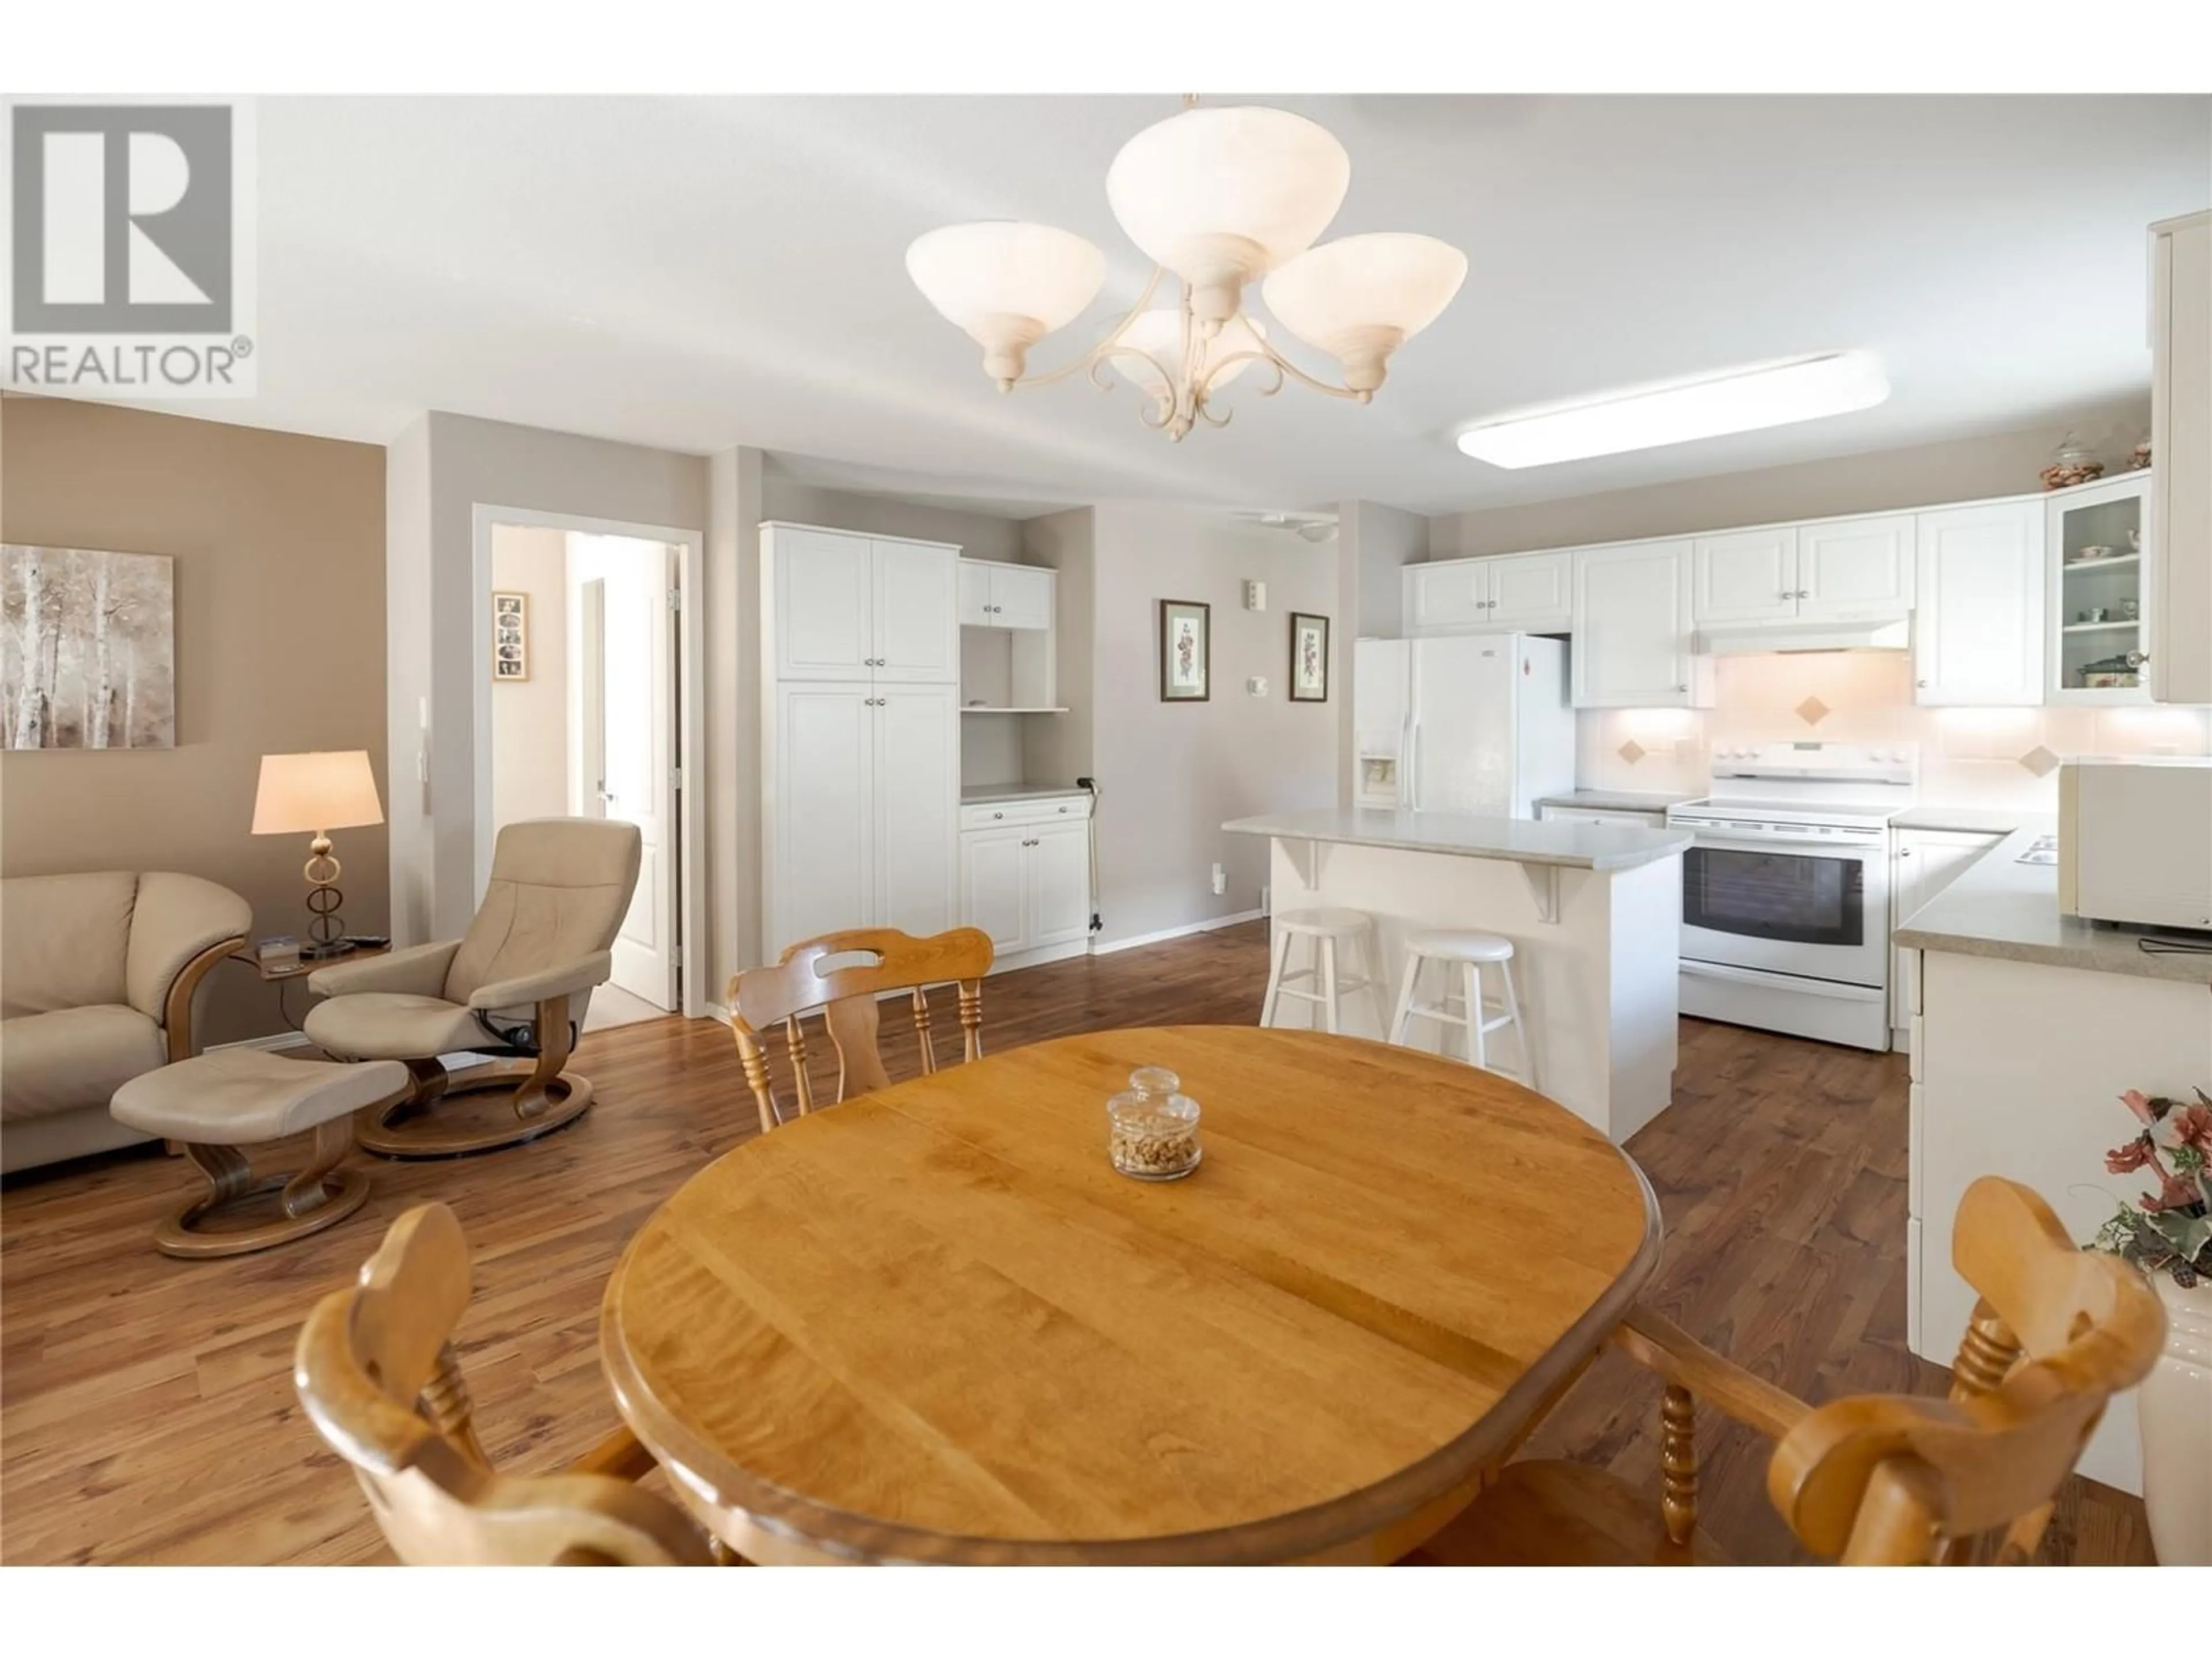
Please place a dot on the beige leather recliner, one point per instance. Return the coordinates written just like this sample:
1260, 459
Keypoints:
98, 972
514, 986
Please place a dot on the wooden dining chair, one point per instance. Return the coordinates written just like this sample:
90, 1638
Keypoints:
885, 960
376, 1371
1873, 1479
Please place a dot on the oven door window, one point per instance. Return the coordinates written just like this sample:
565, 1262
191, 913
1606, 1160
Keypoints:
1801, 898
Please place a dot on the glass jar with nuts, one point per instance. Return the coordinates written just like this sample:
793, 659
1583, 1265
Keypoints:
1152, 1130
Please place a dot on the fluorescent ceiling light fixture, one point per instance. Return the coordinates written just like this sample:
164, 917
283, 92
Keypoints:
1804, 389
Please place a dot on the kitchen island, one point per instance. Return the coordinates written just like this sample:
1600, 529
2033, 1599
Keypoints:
2026, 1026
1594, 911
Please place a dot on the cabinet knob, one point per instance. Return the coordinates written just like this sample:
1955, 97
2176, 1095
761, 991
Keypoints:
1804, 592
1922, 684
998, 815
1904, 852
1681, 688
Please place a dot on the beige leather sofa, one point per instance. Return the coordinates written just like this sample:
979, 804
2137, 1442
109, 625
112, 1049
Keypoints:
97, 973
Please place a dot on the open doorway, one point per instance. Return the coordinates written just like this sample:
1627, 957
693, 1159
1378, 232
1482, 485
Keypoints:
583, 713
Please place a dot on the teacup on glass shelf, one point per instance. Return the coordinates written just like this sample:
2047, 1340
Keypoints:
1152, 1130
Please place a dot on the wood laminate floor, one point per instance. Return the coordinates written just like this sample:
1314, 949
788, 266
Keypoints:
146, 1405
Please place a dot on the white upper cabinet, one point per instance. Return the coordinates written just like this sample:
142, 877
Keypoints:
1533, 591
2099, 595
974, 594
1005, 595
1854, 567
847, 607
1021, 596
917, 625
825, 603
1632, 644
1838, 571
1441, 597
1750, 575
2179, 534
1977, 627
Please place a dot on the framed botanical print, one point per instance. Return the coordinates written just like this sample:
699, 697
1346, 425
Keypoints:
510, 636
1186, 651
1309, 658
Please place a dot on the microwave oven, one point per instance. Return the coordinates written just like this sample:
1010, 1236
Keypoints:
2134, 840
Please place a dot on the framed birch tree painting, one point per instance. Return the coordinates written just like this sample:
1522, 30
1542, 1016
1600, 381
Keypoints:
88, 649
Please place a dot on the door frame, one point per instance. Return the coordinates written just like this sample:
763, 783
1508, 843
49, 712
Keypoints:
690, 712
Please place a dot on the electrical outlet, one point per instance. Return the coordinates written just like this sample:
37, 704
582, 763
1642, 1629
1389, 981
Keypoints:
1220, 880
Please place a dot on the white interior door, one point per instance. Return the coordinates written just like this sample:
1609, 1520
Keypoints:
636, 735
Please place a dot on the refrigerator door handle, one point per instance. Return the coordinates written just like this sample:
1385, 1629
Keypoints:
1409, 793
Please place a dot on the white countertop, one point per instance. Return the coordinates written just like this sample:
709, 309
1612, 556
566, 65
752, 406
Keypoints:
977, 794
1999, 907
1516, 841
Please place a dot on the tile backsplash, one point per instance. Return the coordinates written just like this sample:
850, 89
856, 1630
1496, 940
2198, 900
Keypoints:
1968, 757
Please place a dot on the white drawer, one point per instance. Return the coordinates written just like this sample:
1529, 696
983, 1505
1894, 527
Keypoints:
1042, 809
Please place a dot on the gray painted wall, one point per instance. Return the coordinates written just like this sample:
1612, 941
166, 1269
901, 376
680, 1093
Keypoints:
1964, 470
1058, 748
1375, 544
979, 535
1172, 773
438, 472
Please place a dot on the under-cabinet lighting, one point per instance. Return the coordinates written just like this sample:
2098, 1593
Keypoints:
1777, 394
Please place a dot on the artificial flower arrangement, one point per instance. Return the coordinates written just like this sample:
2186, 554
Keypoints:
2171, 1231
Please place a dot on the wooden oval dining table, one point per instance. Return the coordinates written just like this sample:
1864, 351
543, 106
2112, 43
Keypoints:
933, 1324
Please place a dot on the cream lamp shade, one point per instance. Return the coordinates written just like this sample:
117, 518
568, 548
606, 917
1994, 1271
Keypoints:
1007, 283
1158, 335
305, 794
1360, 298
1222, 196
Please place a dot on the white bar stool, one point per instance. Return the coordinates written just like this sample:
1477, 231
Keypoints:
1471, 953
1324, 930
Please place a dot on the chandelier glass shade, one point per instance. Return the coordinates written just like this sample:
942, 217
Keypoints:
1219, 199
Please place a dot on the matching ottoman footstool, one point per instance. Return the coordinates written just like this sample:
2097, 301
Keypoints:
218, 1103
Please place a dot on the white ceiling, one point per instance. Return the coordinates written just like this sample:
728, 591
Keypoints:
697, 273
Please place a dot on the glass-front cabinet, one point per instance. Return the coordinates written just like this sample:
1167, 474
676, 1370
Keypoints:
2100, 594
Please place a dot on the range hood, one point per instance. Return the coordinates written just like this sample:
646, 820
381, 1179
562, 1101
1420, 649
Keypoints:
1889, 633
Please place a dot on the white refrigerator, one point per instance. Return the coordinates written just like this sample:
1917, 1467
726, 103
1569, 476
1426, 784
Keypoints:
1476, 723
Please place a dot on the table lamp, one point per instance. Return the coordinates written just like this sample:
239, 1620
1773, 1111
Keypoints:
313, 794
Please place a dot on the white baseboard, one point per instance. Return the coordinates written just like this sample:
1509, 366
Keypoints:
1018, 960
1184, 932
275, 1040
717, 1011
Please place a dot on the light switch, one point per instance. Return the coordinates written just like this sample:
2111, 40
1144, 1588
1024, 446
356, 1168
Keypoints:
1257, 685
1256, 596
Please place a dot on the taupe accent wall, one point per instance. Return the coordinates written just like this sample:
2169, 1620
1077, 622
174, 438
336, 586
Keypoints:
278, 541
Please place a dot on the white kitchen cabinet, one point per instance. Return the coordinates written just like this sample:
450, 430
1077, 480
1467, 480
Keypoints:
1451, 597
1748, 576
1632, 818
1057, 895
975, 593
1533, 592
847, 607
866, 791
1923, 863
822, 832
994, 885
994, 595
2180, 517
2099, 563
916, 806
1025, 876
1977, 627
1849, 569
1844, 569
861, 734
1632, 631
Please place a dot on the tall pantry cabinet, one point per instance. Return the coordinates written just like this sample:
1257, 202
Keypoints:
860, 744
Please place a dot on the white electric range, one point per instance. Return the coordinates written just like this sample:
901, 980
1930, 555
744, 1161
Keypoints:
1785, 892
